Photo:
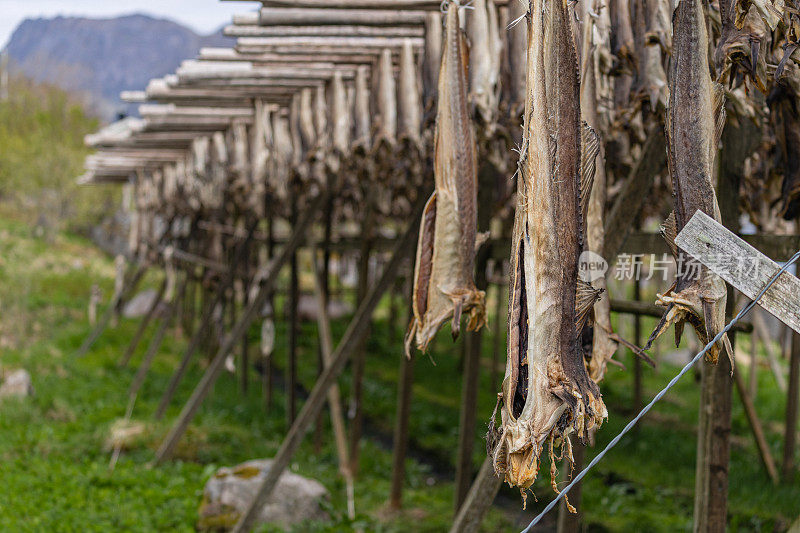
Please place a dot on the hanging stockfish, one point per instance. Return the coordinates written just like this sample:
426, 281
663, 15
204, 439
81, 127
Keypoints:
695, 119
409, 164
484, 57
342, 118
786, 122
260, 145
362, 140
443, 278
282, 158
387, 102
743, 43
408, 97
602, 345
516, 58
242, 187
433, 60
547, 393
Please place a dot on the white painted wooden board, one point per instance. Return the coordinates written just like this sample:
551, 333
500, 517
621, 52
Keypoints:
741, 265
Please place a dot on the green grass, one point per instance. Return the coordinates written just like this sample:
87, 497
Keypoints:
54, 456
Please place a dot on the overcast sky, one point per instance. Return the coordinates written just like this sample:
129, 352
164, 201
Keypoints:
203, 16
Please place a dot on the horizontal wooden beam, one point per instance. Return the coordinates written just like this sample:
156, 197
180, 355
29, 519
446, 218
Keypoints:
633, 307
431, 5
324, 31
325, 16
277, 58
330, 42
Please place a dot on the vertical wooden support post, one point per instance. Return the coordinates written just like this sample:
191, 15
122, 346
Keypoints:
190, 303
714, 426
713, 447
270, 363
792, 399
752, 377
168, 314
472, 359
571, 522
360, 355
137, 337
637, 361
400, 441
478, 501
137, 273
327, 221
351, 338
215, 367
498, 344
292, 326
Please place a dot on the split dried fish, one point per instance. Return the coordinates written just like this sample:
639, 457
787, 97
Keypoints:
444, 287
484, 71
547, 393
695, 118
603, 346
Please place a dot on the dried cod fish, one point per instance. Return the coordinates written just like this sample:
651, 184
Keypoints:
547, 393
444, 287
695, 119
603, 345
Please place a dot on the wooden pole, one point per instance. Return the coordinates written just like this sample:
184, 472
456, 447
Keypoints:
115, 304
403, 414
755, 426
478, 501
202, 331
637, 362
293, 326
155, 343
497, 345
400, 439
752, 385
360, 354
790, 437
270, 363
137, 337
472, 359
215, 367
334, 399
323, 304
352, 337
714, 426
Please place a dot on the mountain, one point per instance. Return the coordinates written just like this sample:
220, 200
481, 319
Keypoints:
102, 57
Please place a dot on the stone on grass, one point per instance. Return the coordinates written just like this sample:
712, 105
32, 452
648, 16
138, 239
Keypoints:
308, 310
295, 500
140, 304
16, 383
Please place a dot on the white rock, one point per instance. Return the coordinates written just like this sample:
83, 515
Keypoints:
140, 304
17, 383
296, 499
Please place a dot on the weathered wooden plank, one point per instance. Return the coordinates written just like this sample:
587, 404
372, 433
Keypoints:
348, 30
742, 266
324, 16
364, 4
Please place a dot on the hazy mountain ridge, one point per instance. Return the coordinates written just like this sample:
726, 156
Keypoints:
101, 57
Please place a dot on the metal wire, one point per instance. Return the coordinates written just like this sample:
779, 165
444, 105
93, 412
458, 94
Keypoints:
661, 394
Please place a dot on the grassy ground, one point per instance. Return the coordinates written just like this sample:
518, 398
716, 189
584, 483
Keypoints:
54, 454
